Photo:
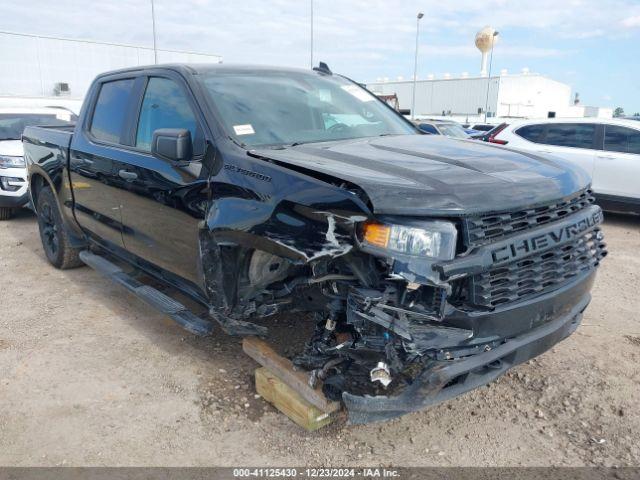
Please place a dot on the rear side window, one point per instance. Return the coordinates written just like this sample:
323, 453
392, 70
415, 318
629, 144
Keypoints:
577, 135
111, 110
621, 139
533, 133
165, 105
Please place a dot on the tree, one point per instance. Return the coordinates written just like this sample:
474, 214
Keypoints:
618, 112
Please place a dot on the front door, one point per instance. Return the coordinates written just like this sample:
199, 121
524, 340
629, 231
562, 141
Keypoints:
163, 202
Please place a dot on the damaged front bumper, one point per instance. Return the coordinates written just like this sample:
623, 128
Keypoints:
441, 380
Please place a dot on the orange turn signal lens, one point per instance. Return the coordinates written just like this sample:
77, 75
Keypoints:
377, 234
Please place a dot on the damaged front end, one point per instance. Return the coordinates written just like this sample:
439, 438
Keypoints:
410, 312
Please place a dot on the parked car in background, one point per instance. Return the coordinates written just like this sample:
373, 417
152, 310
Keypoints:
608, 149
471, 132
480, 127
442, 127
490, 135
13, 173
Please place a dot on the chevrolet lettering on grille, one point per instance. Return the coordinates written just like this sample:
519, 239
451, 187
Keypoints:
542, 241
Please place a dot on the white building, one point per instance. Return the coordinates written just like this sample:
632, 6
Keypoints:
35, 66
526, 95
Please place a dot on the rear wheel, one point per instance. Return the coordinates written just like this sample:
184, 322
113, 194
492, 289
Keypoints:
53, 235
6, 213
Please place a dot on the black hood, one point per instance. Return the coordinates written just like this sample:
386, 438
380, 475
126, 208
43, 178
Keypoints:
435, 175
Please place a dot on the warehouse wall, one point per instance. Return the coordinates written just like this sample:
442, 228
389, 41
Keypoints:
522, 95
532, 96
460, 96
32, 65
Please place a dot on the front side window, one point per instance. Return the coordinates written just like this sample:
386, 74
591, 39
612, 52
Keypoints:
165, 105
274, 108
533, 133
111, 110
577, 135
621, 139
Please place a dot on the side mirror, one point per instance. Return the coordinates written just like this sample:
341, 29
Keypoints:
172, 144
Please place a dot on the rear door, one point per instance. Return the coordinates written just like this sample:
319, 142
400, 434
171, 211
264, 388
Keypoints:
93, 151
617, 165
573, 142
163, 202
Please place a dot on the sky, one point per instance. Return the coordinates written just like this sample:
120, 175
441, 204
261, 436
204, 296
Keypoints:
590, 44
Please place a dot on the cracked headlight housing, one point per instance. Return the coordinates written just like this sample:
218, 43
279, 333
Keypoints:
434, 239
7, 161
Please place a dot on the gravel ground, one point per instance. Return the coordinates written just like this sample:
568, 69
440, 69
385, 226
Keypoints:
90, 376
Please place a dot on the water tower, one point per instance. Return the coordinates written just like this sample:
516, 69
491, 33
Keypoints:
485, 40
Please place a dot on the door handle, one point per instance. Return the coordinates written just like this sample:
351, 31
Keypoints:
127, 175
608, 157
79, 158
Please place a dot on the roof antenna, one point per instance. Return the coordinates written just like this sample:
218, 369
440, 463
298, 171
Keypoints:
323, 68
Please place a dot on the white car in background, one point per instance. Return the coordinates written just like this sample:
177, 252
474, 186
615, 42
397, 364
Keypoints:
609, 149
13, 174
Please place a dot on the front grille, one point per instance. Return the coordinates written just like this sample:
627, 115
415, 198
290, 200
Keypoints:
492, 227
537, 273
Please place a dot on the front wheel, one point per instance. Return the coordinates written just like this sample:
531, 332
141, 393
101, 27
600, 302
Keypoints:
6, 213
53, 235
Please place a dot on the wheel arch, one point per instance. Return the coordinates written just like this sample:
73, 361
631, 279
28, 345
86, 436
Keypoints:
36, 183
39, 180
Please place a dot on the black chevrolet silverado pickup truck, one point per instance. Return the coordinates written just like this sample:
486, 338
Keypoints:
429, 265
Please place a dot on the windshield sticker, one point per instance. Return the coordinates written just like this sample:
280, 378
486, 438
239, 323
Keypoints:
243, 129
359, 93
63, 116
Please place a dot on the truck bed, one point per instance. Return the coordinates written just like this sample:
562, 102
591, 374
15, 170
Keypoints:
49, 136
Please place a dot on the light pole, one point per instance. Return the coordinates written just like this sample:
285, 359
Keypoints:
486, 103
153, 22
311, 49
415, 68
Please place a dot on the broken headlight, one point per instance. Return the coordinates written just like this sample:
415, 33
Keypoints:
434, 239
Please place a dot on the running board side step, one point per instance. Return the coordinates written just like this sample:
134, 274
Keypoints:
153, 297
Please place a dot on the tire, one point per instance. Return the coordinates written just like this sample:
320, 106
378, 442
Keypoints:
53, 234
6, 213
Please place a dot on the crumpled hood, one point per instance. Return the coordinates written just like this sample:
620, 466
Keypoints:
435, 175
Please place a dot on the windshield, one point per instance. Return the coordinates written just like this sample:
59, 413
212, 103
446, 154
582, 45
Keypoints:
452, 130
13, 124
284, 108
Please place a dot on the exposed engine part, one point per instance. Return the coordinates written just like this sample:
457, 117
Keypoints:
266, 268
381, 374
320, 374
330, 325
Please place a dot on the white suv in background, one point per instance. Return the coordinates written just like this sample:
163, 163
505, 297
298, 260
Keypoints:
609, 149
13, 174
